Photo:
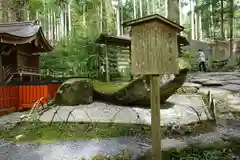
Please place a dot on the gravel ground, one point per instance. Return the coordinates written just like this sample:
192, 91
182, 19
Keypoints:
9, 120
88, 148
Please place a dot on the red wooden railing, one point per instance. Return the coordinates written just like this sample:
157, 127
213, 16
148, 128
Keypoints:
27, 69
18, 97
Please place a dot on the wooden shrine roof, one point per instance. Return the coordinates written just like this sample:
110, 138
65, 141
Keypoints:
154, 17
114, 40
126, 40
26, 35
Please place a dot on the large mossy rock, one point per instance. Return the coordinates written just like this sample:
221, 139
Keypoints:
123, 93
137, 91
75, 91
82, 91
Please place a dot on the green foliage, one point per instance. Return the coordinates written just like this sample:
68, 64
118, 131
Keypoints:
75, 56
192, 59
212, 8
211, 153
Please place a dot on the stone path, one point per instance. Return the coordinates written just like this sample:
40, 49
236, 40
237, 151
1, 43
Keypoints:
224, 86
177, 111
7, 121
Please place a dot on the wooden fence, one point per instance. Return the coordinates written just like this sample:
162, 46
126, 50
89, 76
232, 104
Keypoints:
17, 97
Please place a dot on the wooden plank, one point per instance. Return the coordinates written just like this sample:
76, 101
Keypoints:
154, 49
155, 116
27, 73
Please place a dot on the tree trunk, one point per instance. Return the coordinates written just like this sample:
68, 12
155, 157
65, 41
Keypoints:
134, 9
62, 22
232, 60
222, 21
198, 21
65, 21
84, 13
101, 16
192, 34
104, 16
148, 8
173, 11
20, 8
154, 6
118, 18
231, 15
212, 19
2, 11
54, 27
140, 6
166, 7
122, 20
69, 18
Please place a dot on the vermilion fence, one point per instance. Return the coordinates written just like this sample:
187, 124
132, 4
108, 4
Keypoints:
18, 96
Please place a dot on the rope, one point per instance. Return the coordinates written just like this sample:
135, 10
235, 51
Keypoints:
34, 108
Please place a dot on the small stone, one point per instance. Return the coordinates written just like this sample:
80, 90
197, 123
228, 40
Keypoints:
233, 99
235, 81
235, 108
231, 87
216, 92
199, 81
230, 115
19, 136
214, 83
187, 84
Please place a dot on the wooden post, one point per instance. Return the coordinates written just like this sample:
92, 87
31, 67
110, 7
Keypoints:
21, 76
155, 114
106, 62
130, 57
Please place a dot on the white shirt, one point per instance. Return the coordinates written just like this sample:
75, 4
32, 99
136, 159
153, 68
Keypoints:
201, 57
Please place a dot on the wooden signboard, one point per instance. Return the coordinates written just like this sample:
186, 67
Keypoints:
154, 45
154, 50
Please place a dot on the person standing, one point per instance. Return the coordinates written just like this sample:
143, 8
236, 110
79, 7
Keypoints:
202, 60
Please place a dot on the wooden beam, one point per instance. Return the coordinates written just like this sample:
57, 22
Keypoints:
155, 114
130, 57
107, 62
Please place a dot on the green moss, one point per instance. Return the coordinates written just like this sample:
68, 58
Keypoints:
74, 91
183, 63
111, 88
124, 155
83, 91
215, 151
49, 133
187, 90
46, 133
108, 88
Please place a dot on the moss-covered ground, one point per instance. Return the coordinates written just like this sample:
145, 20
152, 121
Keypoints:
217, 151
49, 133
